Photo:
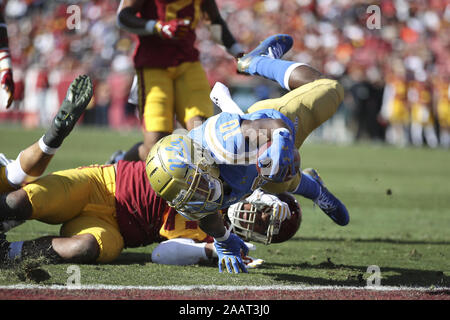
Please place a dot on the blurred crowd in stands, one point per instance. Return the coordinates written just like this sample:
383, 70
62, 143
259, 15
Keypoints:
396, 74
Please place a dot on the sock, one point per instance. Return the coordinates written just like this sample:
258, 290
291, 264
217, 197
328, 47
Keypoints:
308, 187
45, 148
274, 69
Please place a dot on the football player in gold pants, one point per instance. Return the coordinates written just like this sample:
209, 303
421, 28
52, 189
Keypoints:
313, 98
102, 208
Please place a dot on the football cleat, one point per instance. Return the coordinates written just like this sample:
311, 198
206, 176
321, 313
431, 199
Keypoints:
326, 201
76, 101
273, 47
116, 156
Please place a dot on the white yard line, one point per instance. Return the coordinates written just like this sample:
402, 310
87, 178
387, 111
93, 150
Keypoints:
213, 287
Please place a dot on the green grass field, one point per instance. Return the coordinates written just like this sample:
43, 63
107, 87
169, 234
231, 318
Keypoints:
399, 203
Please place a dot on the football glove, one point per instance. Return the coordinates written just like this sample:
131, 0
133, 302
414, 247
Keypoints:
277, 161
173, 29
229, 253
6, 78
271, 204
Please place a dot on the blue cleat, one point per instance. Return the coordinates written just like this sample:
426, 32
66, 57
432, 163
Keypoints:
273, 47
326, 201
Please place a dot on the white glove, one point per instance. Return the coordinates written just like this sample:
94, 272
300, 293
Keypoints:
220, 95
268, 202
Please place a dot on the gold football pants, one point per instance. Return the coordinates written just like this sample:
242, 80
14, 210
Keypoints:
83, 201
182, 91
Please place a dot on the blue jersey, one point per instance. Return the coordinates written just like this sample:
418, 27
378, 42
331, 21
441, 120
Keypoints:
222, 136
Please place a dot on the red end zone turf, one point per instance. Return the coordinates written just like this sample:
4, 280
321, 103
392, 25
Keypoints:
211, 294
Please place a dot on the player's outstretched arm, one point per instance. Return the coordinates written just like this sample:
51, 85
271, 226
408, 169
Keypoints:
228, 245
127, 19
220, 31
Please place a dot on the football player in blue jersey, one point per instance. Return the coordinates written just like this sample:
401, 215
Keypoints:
231, 154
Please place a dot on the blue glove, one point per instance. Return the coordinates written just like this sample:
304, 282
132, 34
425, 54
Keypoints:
277, 161
229, 252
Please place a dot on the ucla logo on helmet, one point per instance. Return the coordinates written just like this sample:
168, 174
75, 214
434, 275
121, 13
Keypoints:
179, 154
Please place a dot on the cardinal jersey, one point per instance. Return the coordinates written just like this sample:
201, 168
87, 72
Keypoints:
154, 52
139, 210
144, 217
222, 136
